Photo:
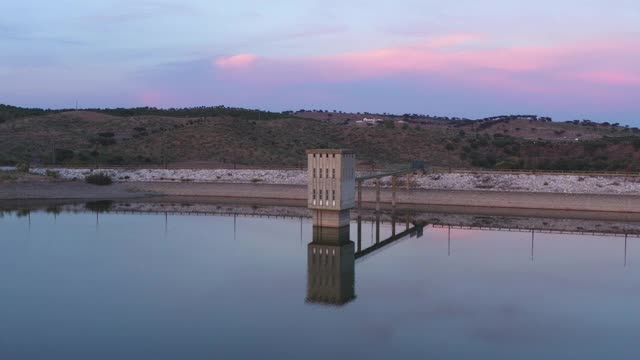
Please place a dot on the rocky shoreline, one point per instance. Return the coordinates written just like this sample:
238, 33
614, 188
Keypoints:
568, 184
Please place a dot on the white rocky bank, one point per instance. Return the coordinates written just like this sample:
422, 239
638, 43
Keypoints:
467, 181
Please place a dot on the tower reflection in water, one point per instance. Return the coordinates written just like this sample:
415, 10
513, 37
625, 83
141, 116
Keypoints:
331, 267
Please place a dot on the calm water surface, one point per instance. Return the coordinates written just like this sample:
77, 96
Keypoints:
74, 286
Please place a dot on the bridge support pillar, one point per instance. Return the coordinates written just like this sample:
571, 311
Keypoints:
359, 194
377, 195
393, 224
359, 233
377, 228
393, 191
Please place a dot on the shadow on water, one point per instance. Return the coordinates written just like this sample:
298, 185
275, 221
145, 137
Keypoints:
99, 206
53, 209
23, 212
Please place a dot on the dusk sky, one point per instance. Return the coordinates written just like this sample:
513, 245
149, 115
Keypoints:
569, 59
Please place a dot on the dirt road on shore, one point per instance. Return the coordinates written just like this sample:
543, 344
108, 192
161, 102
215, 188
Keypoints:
67, 190
405, 198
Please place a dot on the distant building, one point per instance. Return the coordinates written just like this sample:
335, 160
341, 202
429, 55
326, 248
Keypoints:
369, 121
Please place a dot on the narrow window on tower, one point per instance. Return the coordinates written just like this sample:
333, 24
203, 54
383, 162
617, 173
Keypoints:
314, 172
327, 171
333, 173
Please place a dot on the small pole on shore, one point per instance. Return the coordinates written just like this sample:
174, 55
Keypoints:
449, 242
164, 149
97, 155
53, 152
532, 238
625, 250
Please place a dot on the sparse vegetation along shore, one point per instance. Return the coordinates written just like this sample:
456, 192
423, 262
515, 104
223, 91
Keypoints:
220, 135
98, 179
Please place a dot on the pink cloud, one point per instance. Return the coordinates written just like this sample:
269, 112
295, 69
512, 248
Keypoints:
235, 61
157, 98
562, 69
454, 39
612, 77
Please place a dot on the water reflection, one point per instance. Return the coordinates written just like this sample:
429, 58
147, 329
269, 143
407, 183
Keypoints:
331, 258
201, 292
99, 206
331, 266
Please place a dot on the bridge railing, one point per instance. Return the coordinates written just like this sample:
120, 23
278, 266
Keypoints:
533, 172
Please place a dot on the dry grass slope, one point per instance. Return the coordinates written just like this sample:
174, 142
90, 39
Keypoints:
88, 137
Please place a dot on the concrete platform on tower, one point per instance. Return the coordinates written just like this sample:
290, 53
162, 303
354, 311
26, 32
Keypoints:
331, 218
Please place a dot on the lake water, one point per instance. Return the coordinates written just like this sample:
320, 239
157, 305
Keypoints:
148, 286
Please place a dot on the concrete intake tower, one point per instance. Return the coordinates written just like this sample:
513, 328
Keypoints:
331, 190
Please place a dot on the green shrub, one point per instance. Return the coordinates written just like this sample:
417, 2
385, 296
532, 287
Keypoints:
389, 124
116, 160
7, 176
62, 155
502, 141
593, 146
98, 179
507, 164
105, 141
22, 167
52, 174
84, 156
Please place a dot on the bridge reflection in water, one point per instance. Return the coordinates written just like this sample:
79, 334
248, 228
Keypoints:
331, 259
332, 256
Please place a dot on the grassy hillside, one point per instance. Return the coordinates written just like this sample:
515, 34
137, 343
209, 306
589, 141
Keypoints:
217, 135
